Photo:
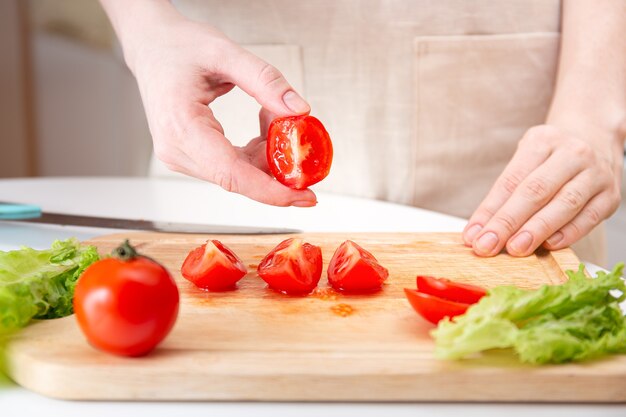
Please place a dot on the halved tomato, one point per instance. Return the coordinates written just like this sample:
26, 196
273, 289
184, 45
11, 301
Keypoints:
353, 269
433, 308
450, 290
292, 267
213, 266
299, 151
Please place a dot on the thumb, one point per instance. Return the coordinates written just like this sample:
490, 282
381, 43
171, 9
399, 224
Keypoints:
265, 83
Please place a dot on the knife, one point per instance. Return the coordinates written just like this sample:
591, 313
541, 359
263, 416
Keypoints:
33, 214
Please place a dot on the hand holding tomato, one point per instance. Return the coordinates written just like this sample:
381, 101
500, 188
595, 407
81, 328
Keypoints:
182, 67
126, 304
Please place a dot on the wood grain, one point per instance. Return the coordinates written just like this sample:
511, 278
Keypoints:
256, 344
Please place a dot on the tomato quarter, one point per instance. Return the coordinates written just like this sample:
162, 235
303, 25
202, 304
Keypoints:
126, 304
433, 308
353, 269
299, 151
292, 267
213, 266
450, 290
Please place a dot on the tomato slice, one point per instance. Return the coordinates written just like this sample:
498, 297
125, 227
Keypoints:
213, 267
353, 269
433, 308
292, 267
299, 151
450, 290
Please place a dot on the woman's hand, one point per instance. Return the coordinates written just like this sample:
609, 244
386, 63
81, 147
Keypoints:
181, 67
556, 189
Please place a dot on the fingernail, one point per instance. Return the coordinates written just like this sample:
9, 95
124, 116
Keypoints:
304, 203
472, 232
486, 243
295, 103
555, 239
521, 243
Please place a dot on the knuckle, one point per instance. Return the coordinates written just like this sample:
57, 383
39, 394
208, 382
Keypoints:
507, 222
572, 199
581, 151
537, 189
269, 75
224, 178
510, 182
593, 215
572, 231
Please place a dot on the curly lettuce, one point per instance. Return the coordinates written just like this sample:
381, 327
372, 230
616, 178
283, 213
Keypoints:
578, 320
39, 284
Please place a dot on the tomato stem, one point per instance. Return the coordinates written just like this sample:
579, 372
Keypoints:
125, 251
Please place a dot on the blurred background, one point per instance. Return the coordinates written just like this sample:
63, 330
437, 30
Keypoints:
70, 107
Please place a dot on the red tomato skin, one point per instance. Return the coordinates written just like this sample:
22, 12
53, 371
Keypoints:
364, 275
126, 307
450, 290
311, 161
433, 308
223, 274
293, 267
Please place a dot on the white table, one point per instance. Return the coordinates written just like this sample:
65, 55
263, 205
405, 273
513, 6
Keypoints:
196, 202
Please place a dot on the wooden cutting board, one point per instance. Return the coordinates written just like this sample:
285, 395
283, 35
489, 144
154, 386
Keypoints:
256, 344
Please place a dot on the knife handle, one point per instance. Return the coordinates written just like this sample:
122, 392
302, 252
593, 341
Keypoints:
19, 211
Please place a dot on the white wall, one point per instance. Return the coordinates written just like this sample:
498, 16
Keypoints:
90, 119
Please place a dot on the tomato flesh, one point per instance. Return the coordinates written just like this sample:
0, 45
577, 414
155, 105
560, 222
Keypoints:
433, 308
126, 307
299, 151
450, 290
355, 270
213, 266
293, 267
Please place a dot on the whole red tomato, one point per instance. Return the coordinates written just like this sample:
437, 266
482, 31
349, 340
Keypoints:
299, 151
126, 304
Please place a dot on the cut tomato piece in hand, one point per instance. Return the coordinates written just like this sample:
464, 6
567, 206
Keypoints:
433, 308
213, 266
293, 267
450, 290
353, 269
299, 151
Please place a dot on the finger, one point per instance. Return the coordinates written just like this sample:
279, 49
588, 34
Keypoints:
567, 203
533, 193
243, 178
525, 160
265, 119
597, 209
255, 153
216, 160
263, 82
255, 150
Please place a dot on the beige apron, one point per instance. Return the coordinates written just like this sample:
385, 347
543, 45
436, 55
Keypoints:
425, 100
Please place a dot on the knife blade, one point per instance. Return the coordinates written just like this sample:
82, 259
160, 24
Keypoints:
33, 214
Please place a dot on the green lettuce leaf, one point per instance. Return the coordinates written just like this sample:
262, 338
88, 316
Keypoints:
39, 284
577, 320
